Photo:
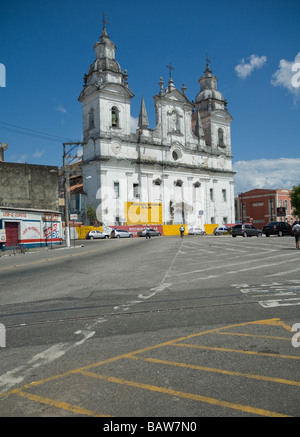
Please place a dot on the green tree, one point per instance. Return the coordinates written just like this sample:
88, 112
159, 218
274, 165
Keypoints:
91, 213
295, 198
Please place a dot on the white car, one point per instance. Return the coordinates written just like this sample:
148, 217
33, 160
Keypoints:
121, 233
196, 231
96, 234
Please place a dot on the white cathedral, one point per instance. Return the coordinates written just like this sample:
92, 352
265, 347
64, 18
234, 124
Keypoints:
184, 164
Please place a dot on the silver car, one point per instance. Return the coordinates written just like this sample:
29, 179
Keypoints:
96, 234
221, 230
121, 233
196, 231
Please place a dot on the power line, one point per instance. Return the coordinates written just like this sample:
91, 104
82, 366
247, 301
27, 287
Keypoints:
30, 132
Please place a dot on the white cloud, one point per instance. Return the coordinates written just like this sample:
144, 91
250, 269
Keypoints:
244, 69
79, 153
287, 75
133, 124
38, 153
60, 108
22, 158
266, 173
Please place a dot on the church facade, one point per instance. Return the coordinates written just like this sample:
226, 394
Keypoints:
178, 172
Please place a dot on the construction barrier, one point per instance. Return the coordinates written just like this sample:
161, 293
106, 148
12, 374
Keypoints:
164, 229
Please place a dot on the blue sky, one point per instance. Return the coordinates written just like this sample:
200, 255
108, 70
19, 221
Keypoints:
47, 46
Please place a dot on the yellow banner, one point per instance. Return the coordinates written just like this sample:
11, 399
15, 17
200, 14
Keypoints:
143, 213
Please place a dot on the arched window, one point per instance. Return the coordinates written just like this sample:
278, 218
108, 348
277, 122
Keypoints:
91, 119
114, 116
220, 138
196, 191
178, 183
157, 182
178, 191
157, 187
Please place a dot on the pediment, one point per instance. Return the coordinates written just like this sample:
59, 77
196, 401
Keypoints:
110, 87
176, 96
116, 88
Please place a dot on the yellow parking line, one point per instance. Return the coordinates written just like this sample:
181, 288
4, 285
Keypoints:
173, 342
57, 404
222, 349
275, 322
254, 335
191, 396
221, 371
146, 349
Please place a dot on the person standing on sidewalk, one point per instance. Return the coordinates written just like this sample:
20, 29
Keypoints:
181, 231
296, 229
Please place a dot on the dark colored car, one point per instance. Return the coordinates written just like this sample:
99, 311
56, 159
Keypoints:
246, 231
152, 232
277, 228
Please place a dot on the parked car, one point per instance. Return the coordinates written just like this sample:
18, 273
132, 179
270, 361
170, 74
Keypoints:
246, 231
96, 234
196, 231
152, 232
277, 228
120, 233
220, 230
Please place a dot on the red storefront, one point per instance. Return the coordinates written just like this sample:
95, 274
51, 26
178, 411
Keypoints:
33, 228
261, 206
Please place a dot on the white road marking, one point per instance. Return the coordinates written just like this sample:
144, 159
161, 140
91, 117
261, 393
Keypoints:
18, 374
224, 266
154, 290
279, 302
285, 272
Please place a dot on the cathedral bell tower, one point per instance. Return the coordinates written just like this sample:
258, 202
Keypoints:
212, 108
105, 97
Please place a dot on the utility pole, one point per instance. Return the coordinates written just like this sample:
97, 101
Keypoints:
66, 186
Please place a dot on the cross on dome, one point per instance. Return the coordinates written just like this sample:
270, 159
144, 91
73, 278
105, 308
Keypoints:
170, 68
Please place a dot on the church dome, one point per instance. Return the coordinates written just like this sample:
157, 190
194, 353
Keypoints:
104, 64
209, 94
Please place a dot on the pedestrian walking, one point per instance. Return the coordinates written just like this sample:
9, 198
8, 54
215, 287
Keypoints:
296, 229
181, 229
148, 232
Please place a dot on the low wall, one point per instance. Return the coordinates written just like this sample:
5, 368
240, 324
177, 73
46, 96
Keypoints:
209, 229
83, 230
166, 230
174, 229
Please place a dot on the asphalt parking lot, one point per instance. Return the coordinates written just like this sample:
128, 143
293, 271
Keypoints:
194, 327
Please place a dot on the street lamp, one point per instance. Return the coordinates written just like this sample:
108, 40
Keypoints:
66, 195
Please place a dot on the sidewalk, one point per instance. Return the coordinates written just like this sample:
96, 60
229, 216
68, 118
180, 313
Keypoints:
73, 245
